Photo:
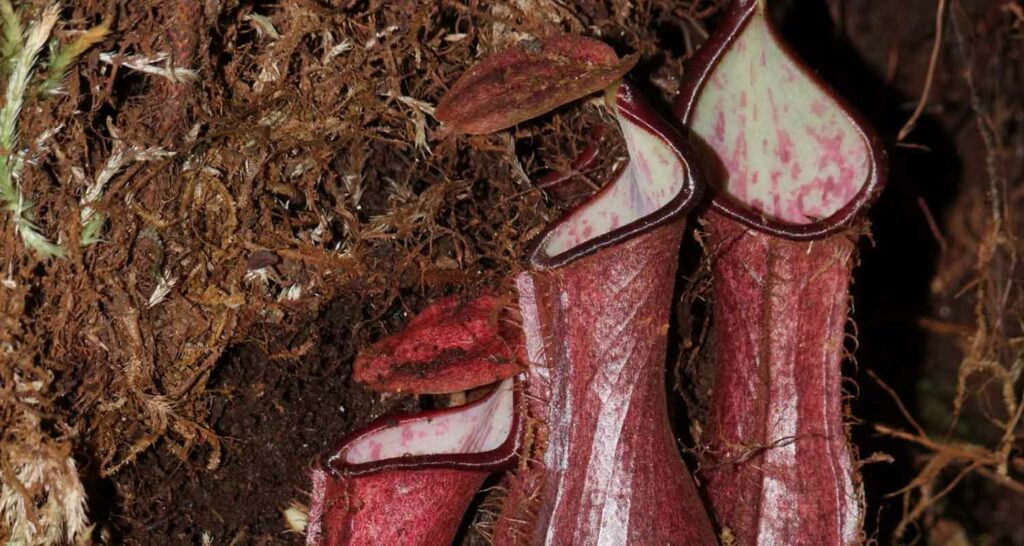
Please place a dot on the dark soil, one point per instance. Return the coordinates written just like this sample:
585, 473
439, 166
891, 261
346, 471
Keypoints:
273, 416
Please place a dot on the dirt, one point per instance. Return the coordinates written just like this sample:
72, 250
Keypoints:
273, 416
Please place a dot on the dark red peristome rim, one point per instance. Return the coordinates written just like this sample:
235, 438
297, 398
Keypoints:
700, 67
502, 457
631, 105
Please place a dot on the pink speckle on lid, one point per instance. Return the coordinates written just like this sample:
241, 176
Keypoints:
788, 73
784, 146
718, 81
795, 170
775, 108
818, 108
719, 130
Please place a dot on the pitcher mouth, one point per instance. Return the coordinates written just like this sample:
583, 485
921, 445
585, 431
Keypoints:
784, 154
658, 185
482, 435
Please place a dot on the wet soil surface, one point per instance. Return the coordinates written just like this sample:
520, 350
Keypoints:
275, 417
